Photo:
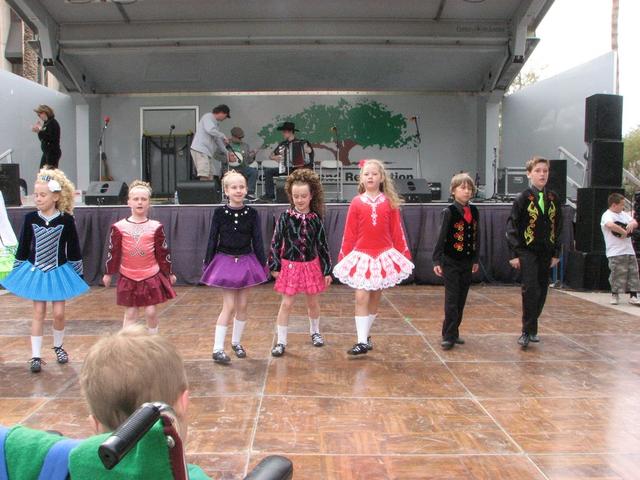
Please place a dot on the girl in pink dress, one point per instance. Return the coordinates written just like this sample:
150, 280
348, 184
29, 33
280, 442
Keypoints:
138, 251
299, 259
374, 253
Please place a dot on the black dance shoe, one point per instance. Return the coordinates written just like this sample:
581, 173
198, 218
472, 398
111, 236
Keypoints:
358, 349
221, 358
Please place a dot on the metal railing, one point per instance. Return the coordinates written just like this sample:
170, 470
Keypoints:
567, 155
6, 155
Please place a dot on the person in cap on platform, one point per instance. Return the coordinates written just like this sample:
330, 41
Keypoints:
207, 141
240, 158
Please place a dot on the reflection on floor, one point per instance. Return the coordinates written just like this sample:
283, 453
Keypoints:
564, 409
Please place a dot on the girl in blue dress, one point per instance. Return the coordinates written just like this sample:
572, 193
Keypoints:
48, 265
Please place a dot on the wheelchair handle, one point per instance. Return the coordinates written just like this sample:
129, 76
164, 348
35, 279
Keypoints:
120, 442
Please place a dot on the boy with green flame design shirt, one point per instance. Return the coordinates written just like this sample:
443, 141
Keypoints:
533, 233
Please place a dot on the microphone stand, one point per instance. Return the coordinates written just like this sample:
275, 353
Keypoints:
494, 165
418, 159
101, 150
338, 166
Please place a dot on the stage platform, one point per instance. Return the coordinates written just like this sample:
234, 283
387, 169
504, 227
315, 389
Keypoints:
565, 409
187, 229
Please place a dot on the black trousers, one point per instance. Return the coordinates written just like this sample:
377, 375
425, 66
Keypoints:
535, 283
457, 280
50, 157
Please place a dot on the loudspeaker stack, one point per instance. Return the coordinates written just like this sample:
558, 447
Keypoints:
587, 268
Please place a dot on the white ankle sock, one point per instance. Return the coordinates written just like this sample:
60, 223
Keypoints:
58, 337
314, 325
362, 328
372, 318
218, 343
238, 328
152, 331
36, 347
282, 334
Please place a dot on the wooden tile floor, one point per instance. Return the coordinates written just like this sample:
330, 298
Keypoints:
566, 408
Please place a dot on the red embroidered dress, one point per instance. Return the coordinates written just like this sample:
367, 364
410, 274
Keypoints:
139, 252
374, 253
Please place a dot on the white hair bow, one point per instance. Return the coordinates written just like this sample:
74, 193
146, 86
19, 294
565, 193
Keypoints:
54, 186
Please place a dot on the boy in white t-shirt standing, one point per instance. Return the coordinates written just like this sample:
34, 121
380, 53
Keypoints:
617, 226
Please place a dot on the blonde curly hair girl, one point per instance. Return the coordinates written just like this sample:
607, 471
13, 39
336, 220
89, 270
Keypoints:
387, 186
65, 202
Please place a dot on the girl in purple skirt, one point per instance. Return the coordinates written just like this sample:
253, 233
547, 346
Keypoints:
235, 262
299, 258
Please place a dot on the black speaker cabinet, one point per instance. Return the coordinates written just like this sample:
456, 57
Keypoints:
106, 193
436, 190
10, 184
603, 118
592, 202
281, 194
197, 192
605, 163
413, 190
558, 179
588, 271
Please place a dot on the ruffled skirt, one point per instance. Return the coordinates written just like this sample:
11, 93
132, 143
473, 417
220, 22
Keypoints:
56, 285
300, 277
144, 293
364, 272
227, 271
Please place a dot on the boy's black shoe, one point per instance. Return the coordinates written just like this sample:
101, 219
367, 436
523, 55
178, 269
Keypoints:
61, 355
459, 341
358, 349
524, 340
534, 338
317, 340
278, 350
35, 364
447, 344
369, 344
221, 357
239, 351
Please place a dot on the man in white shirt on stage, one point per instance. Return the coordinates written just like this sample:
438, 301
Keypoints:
209, 140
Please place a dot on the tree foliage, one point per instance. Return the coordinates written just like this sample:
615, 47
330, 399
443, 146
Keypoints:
366, 123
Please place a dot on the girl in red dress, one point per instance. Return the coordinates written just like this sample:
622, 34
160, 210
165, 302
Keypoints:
374, 253
138, 251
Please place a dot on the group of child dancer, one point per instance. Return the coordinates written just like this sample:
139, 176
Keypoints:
374, 255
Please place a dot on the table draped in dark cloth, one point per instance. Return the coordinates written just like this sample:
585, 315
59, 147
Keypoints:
187, 231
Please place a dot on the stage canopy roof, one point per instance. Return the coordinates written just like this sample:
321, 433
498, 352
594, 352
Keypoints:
129, 46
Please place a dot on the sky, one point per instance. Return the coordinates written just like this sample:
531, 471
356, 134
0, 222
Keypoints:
576, 31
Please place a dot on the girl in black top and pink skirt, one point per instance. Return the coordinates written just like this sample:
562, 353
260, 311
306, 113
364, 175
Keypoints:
299, 259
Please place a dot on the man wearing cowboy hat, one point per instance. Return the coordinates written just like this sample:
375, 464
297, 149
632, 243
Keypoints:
291, 154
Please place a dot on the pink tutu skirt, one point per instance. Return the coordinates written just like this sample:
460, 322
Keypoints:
300, 277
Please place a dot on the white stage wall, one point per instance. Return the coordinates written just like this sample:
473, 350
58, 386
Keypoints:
18, 98
550, 113
448, 124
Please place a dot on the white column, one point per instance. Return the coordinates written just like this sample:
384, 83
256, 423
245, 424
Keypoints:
83, 155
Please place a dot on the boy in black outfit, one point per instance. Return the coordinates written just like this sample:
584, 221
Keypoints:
455, 256
533, 233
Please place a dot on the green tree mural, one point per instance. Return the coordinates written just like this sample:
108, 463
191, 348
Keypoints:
366, 123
